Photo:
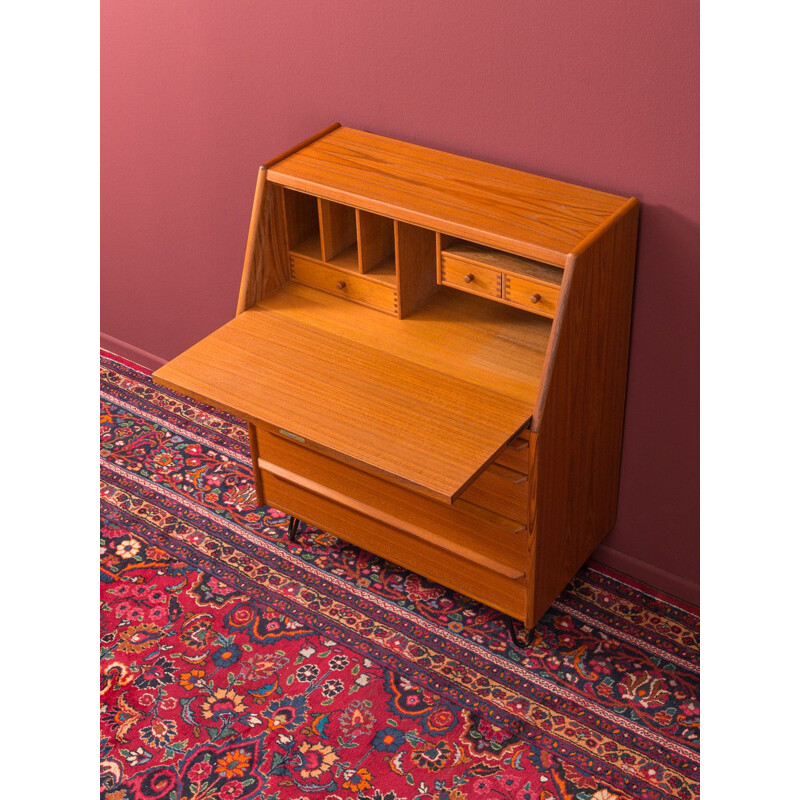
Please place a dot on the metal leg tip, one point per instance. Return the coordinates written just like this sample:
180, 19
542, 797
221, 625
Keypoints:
521, 642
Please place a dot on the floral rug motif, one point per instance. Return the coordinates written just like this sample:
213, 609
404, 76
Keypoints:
237, 665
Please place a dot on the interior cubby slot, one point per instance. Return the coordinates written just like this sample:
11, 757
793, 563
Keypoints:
302, 223
497, 259
376, 251
338, 230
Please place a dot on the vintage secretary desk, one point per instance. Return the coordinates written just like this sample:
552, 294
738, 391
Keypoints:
431, 354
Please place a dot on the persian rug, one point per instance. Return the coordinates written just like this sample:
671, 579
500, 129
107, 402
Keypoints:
236, 665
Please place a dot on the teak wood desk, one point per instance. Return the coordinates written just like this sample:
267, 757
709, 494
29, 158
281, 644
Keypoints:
431, 354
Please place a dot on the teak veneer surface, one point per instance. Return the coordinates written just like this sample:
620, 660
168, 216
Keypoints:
497, 206
493, 346
427, 430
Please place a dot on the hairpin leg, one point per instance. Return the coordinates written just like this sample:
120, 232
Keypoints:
293, 526
522, 643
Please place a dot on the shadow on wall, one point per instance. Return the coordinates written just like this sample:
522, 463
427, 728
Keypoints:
658, 517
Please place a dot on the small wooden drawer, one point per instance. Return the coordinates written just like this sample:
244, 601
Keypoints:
345, 284
530, 294
502, 491
469, 277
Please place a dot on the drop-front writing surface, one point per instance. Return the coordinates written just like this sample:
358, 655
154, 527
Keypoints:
431, 355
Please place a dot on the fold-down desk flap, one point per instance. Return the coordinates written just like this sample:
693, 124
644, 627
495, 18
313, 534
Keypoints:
427, 431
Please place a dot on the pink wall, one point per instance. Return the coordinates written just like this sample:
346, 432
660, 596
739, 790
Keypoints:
196, 94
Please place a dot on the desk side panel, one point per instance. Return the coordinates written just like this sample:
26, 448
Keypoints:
576, 462
266, 259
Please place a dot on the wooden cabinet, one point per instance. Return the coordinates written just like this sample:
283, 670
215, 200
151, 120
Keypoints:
431, 353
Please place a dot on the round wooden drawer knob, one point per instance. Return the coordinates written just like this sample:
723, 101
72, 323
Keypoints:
535, 298
469, 278
341, 285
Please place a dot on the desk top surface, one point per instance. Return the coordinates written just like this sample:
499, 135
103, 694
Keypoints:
496, 206
427, 429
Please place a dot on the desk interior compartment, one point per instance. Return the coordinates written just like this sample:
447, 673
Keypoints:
301, 213
337, 224
376, 247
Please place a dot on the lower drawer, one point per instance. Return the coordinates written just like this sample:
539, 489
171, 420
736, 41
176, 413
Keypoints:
473, 555
335, 515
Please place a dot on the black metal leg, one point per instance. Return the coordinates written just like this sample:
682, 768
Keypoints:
522, 643
293, 528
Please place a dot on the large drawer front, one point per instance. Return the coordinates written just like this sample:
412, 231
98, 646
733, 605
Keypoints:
467, 553
344, 284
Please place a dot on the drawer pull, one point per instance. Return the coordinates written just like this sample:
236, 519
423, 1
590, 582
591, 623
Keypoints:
535, 298
469, 278
341, 285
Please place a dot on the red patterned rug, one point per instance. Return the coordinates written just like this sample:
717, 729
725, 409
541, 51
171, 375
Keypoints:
237, 665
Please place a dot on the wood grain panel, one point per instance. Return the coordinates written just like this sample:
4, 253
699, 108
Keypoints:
485, 343
266, 264
576, 461
337, 225
515, 456
396, 418
492, 205
501, 490
375, 240
301, 213
416, 267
